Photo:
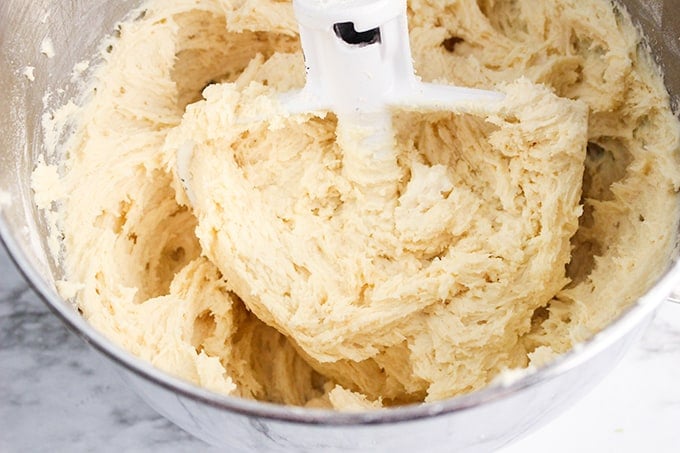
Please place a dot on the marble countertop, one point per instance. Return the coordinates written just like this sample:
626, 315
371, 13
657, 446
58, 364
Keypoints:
56, 394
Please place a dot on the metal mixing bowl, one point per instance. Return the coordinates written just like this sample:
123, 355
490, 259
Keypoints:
480, 421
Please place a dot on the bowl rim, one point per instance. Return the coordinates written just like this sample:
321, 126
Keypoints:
624, 323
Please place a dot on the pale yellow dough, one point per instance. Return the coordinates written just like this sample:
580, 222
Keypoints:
305, 274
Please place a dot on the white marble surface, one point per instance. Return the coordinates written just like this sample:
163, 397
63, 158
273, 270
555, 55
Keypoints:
58, 395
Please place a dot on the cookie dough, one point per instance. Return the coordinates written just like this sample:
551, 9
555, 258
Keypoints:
486, 243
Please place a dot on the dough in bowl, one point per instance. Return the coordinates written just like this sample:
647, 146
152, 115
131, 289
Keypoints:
302, 272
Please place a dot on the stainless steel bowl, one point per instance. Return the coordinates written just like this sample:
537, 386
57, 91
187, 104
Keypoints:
481, 421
